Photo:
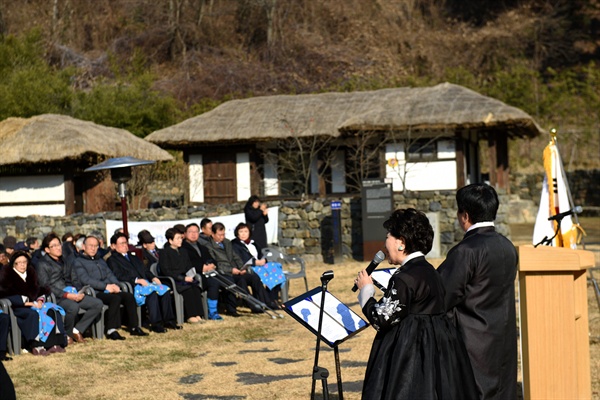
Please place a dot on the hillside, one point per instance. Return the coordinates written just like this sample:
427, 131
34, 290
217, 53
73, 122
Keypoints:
531, 54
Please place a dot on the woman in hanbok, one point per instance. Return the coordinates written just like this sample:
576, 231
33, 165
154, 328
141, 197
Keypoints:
417, 352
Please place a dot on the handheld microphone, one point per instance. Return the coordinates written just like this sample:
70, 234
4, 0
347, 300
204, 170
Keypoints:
379, 257
559, 216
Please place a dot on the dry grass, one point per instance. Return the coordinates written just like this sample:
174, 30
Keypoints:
252, 357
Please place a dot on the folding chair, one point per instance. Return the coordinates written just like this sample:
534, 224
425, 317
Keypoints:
275, 254
14, 334
177, 297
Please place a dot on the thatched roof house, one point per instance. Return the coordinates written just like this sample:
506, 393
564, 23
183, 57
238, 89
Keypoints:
42, 159
442, 111
446, 107
50, 138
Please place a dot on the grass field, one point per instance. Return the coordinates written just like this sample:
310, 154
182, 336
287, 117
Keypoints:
252, 357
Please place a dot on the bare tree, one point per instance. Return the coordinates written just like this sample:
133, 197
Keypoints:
296, 155
364, 153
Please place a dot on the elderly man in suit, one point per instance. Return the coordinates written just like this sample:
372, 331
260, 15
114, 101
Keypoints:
93, 271
129, 268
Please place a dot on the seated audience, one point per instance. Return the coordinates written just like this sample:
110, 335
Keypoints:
3, 256
251, 255
35, 249
39, 321
128, 268
205, 231
55, 272
175, 262
149, 250
68, 246
90, 270
230, 264
201, 261
9, 244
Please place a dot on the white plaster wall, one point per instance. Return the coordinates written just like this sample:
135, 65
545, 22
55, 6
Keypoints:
28, 189
338, 173
52, 210
196, 172
271, 181
242, 169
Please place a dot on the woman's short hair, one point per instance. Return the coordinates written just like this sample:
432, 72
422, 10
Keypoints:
171, 232
242, 225
413, 227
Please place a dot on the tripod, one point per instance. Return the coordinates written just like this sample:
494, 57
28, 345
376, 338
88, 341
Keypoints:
320, 373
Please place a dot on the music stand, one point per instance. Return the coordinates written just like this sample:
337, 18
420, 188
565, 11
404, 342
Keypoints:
331, 321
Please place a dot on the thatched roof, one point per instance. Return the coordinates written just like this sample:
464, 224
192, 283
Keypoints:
445, 107
50, 138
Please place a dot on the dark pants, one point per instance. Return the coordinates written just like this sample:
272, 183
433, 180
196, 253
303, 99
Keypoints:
4, 327
92, 307
258, 289
7, 389
112, 316
211, 286
254, 282
29, 323
192, 301
160, 309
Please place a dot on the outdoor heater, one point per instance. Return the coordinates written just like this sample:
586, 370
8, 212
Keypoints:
120, 172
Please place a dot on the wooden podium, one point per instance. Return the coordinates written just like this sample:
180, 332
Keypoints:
554, 322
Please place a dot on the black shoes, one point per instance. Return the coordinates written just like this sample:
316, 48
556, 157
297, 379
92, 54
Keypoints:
115, 336
137, 332
158, 329
173, 325
232, 313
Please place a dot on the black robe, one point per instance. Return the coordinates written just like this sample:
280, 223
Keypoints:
417, 352
479, 277
257, 220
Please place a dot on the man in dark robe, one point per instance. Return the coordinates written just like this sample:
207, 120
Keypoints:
479, 276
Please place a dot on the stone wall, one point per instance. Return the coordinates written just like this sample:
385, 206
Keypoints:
305, 227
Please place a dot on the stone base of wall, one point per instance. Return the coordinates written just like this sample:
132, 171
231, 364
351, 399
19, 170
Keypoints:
305, 227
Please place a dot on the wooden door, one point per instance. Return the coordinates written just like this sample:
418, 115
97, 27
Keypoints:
219, 177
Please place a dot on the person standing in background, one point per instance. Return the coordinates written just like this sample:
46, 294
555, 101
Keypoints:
257, 215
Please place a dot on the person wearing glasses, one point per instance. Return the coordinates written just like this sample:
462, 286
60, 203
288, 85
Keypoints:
55, 272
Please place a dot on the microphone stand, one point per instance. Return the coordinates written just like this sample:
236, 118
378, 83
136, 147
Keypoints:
548, 242
320, 373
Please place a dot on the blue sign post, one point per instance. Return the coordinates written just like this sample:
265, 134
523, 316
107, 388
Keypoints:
336, 222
